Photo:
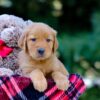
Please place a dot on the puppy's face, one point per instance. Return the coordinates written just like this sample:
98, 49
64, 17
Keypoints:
39, 41
40, 44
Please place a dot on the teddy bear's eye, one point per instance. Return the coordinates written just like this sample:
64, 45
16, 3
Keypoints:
33, 39
48, 40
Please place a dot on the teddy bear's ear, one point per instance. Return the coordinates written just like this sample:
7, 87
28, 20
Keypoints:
22, 42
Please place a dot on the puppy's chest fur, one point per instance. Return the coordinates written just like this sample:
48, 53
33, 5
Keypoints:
27, 64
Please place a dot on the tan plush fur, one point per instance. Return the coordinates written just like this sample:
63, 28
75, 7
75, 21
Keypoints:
37, 66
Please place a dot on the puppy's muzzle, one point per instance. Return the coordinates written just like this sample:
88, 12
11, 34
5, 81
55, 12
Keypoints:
41, 51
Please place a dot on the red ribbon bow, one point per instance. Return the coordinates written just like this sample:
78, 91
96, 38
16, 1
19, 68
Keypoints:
4, 50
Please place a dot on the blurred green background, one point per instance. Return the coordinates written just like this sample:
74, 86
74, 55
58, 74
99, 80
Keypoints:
78, 26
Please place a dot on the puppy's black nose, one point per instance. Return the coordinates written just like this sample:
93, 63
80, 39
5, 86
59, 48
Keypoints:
41, 51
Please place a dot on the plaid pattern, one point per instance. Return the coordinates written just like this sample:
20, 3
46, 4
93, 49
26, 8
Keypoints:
20, 88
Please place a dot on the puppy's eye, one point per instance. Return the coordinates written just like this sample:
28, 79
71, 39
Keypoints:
33, 39
48, 40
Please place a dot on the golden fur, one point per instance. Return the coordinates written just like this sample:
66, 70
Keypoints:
37, 67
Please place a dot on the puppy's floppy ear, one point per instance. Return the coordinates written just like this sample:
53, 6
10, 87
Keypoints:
22, 43
55, 44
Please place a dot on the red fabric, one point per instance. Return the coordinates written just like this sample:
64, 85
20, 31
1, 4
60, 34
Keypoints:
4, 50
21, 88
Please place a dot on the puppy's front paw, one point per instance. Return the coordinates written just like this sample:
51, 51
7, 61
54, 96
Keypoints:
62, 84
40, 85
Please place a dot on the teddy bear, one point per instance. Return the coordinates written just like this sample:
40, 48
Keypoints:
11, 28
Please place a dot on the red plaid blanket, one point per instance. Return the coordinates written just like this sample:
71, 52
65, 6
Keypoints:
20, 88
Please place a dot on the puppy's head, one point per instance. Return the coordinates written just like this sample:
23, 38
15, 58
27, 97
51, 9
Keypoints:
39, 41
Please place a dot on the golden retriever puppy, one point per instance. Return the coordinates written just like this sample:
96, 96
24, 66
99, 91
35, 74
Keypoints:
37, 58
